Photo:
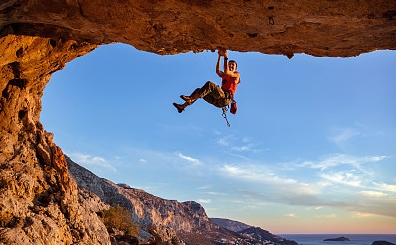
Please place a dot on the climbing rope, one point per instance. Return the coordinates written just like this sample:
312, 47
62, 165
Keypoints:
225, 109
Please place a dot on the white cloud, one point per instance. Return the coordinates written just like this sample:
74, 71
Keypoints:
288, 189
93, 161
205, 187
342, 135
224, 141
87, 159
326, 216
190, 159
290, 215
231, 141
260, 174
344, 178
385, 187
204, 201
242, 148
336, 188
215, 193
335, 192
337, 159
374, 194
248, 147
362, 215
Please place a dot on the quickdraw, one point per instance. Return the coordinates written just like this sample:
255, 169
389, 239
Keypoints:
225, 109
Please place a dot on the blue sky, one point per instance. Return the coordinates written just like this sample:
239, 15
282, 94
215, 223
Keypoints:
311, 149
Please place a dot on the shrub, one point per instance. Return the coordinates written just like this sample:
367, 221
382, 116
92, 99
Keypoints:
120, 219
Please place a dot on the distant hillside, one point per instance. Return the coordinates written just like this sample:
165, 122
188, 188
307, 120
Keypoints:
254, 234
382, 243
231, 225
163, 221
263, 235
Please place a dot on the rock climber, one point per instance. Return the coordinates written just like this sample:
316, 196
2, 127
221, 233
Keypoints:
212, 93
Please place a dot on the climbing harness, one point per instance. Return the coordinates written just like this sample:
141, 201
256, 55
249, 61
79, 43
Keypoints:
225, 109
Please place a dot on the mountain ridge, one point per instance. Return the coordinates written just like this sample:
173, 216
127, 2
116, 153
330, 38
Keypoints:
229, 224
162, 221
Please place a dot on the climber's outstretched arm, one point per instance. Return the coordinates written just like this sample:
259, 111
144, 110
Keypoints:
218, 71
225, 65
230, 68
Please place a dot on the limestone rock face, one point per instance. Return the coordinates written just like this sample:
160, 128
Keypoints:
166, 222
37, 38
38, 199
159, 219
322, 28
230, 224
146, 208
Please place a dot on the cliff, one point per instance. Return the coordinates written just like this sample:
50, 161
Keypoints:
149, 211
167, 221
320, 28
230, 224
37, 38
35, 184
164, 221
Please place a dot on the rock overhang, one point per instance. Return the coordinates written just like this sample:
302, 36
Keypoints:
37, 38
320, 28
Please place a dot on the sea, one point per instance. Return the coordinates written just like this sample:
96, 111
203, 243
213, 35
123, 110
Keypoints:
355, 239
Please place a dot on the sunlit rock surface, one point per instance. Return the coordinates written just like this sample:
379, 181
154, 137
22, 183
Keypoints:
39, 202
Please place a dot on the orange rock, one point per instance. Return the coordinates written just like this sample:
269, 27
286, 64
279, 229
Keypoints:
38, 38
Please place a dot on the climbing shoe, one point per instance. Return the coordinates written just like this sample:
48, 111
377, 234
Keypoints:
187, 99
178, 107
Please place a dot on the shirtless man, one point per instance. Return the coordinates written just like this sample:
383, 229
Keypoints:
210, 92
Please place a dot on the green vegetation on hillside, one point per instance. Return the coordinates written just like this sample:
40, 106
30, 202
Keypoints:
120, 219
